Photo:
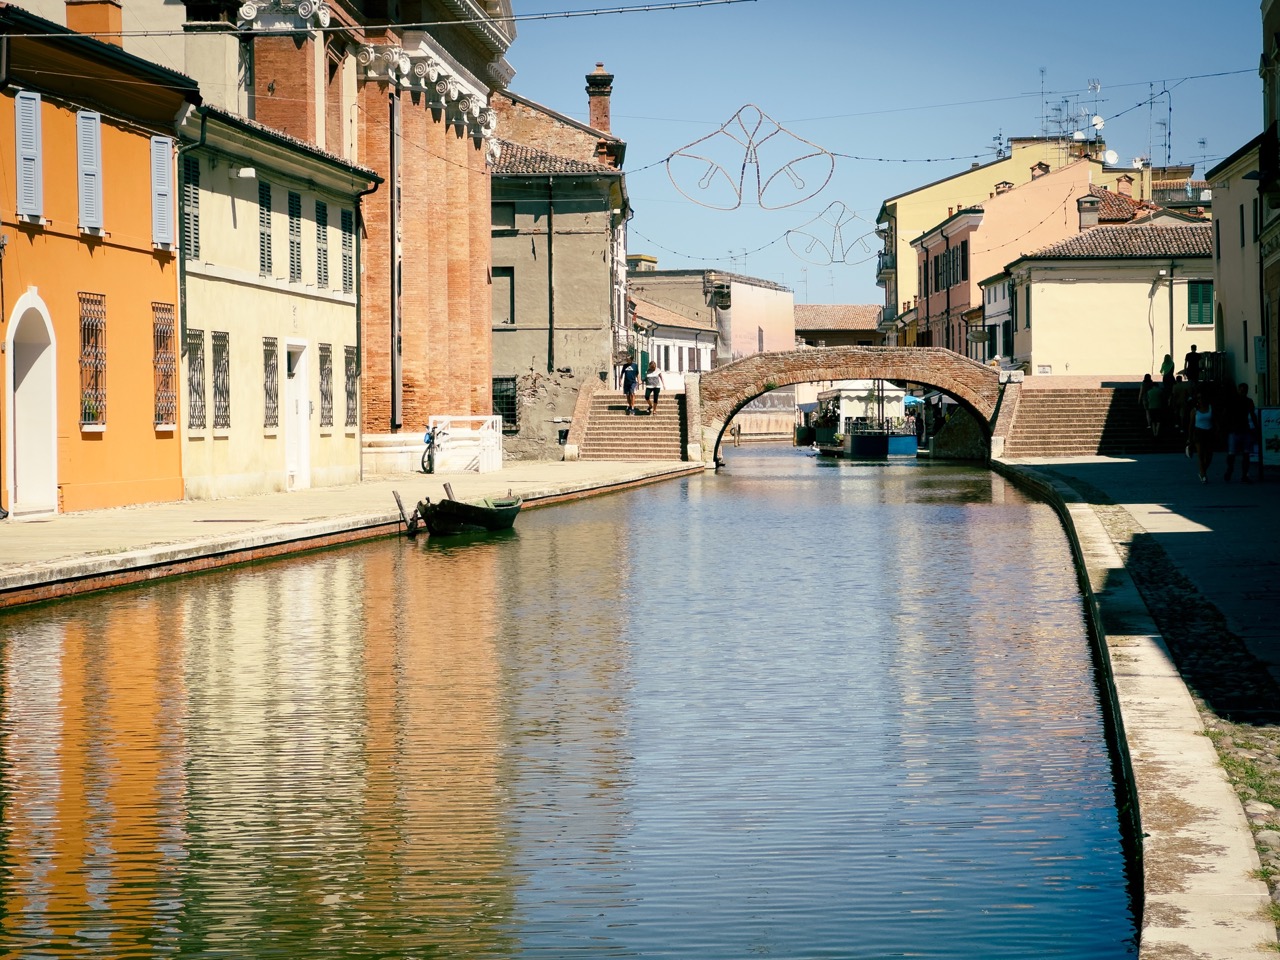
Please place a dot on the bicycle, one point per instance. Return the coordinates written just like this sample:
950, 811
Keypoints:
434, 440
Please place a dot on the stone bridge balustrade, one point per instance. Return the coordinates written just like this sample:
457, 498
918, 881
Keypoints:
715, 396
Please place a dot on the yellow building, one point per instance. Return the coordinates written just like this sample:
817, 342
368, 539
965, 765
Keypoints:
906, 216
270, 324
90, 277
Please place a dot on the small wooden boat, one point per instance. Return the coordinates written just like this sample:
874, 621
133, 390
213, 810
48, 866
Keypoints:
449, 517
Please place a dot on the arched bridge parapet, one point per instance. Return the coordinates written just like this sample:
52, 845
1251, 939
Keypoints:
720, 393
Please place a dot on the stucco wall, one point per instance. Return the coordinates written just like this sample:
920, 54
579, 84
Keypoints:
127, 460
1109, 321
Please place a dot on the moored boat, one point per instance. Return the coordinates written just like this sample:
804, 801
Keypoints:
450, 517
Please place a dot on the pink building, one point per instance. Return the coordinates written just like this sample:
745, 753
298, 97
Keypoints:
976, 242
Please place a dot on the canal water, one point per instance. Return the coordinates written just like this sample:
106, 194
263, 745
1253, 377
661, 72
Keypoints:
797, 708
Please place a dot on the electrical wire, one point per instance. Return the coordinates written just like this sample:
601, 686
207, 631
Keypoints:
338, 28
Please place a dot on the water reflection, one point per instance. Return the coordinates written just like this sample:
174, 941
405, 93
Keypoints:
787, 709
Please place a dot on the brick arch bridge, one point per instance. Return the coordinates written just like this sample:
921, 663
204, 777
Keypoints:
715, 396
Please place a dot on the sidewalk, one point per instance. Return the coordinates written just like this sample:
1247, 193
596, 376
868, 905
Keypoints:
65, 554
1179, 576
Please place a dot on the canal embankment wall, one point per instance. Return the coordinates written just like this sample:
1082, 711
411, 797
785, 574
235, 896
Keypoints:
1201, 891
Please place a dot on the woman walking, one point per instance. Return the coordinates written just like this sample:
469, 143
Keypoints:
1202, 433
653, 384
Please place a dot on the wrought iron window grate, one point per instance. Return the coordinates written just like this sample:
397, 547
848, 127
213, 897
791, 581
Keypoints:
504, 402
195, 380
352, 370
270, 382
326, 385
165, 363
93, 358
221, 380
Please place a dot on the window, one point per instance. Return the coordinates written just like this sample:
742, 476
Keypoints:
1255, 219
162, 192
221, 380
1242, 225
679, 359
1217, 239
322, 244
89, 169
504, 305
1026, 316
30, 144
270, 382
195, 379
165, 364
503, 216
504, 402
93, 359
348, 251
326, 385
295, 237
191, 208
352, 370
964, 260
1199, 303
264, 229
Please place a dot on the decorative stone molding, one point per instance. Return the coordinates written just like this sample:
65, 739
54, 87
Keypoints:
283, 15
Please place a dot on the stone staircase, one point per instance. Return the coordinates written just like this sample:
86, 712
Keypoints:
1074, 422
612, 435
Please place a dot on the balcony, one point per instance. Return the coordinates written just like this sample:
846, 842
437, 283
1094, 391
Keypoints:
886, 263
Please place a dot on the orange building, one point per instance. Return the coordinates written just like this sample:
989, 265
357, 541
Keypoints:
88, 274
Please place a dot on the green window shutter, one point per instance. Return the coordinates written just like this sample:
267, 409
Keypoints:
1199, 303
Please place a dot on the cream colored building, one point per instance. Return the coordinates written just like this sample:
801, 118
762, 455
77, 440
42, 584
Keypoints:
1237, 265
906, 216
270, 328
1112, 301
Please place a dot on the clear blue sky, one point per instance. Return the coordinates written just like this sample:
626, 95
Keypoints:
885, 81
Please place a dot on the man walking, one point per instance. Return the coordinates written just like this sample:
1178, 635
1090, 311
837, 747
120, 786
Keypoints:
1240, 426
630, 377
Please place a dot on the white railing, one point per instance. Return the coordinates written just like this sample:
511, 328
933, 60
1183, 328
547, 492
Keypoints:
469, 444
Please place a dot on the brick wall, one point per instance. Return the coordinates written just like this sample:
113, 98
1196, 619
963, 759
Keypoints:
521, 124
285, 84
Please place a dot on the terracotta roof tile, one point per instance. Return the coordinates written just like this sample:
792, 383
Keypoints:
1189, 240
837, 316
515, 159
1116, 207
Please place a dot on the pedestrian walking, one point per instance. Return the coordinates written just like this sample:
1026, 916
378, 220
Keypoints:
1191, 366
1202, 433
653, 384
630, 377
1241, 424
1151, 397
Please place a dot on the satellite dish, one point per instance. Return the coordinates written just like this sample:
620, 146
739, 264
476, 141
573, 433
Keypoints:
1097, 122
1111, 157
1078, 135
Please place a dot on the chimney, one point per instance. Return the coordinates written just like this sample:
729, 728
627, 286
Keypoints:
1004, 186
599, 89
1087, 208
1039, 170
1124, 186
98, 18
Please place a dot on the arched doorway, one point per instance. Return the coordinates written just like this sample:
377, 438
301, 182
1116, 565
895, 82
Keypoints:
31, 453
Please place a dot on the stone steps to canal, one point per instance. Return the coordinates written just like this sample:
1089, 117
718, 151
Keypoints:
1081, 421
612, 434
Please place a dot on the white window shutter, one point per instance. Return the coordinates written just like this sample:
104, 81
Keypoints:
89, 167
162, 191
29, 142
